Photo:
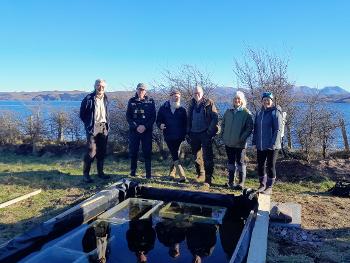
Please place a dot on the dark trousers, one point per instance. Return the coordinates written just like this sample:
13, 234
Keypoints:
145, 139
174, 148
236, 157
269, 157
202, 149
97, 146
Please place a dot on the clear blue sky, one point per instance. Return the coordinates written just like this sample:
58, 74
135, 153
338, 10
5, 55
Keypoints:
67, 44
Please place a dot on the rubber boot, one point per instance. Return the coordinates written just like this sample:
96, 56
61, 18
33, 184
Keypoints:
172, 172
133, 166
148, 168
100, 172
262, 181
269, 184
231, 175
180, 171
86, 171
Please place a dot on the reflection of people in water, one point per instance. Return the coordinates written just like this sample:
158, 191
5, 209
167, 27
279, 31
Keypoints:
171, 235
96, 236
141, 237
201, 240
230, 232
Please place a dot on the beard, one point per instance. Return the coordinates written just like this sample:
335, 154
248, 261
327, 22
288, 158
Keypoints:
175, 104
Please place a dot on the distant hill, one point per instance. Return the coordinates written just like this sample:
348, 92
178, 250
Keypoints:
222, 93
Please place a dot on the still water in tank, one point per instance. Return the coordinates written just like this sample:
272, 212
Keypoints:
149, 239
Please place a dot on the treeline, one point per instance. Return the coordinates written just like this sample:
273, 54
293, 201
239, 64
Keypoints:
311, 126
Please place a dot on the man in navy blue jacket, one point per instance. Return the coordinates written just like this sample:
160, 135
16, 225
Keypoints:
94, 114
140, 114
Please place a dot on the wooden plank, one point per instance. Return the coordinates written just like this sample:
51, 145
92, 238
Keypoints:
258, 242
18, 199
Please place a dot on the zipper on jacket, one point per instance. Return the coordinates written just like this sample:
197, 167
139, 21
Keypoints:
262, 118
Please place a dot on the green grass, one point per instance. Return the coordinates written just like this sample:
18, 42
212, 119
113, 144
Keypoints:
60, 179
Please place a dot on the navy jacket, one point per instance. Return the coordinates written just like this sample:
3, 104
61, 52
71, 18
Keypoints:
87, 111
175, 123
141, 112
267, 129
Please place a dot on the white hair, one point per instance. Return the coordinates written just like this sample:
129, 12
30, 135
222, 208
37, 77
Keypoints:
98, 82
198, 87
241, 95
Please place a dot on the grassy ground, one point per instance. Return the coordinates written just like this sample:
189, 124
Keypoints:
60, 179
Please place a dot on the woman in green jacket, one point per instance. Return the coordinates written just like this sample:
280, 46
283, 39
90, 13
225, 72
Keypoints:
237, 125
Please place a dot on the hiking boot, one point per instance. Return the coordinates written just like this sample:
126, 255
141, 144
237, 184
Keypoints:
180, 171
200, 178
172, 172
238, 187
228, 185
262, 181
103, 176
87, 179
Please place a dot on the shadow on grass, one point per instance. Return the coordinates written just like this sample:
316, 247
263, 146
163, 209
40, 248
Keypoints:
52, 180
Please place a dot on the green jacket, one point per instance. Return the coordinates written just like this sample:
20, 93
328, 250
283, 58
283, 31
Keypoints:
236, 127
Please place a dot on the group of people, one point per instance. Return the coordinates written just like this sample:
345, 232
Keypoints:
198, 124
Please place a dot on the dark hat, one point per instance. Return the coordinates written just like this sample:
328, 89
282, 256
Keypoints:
267, 95
174, 91
141, 86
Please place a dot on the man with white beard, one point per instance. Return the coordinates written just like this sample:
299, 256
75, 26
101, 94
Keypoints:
172, 120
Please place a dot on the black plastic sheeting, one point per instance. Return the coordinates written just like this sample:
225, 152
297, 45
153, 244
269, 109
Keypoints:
35, 238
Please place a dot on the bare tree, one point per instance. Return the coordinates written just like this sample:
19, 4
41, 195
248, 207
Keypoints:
35, 129
316, 127
58, 122
119, 127
262, 71
75, 128
185, 79
10, 128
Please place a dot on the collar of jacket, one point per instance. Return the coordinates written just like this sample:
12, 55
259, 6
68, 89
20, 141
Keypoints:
205, 102
137, 97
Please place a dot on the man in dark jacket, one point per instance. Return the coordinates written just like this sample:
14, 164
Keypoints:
141, 114
94, 114
172, 120
202, 126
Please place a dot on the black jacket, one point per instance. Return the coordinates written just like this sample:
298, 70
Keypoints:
175, 123
87, 111
141, 112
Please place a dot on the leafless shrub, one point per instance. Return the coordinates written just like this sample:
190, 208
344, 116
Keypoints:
262, 71
10, 128
58, 123
315, 128
34, 129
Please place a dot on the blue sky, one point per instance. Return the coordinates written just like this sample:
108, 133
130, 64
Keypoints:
67, 44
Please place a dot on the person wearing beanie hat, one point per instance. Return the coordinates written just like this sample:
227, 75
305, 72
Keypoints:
140, 115
172, 120
267, 139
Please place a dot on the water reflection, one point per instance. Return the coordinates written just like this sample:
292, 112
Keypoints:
141, 237
171, 233
201, 240
97, 237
